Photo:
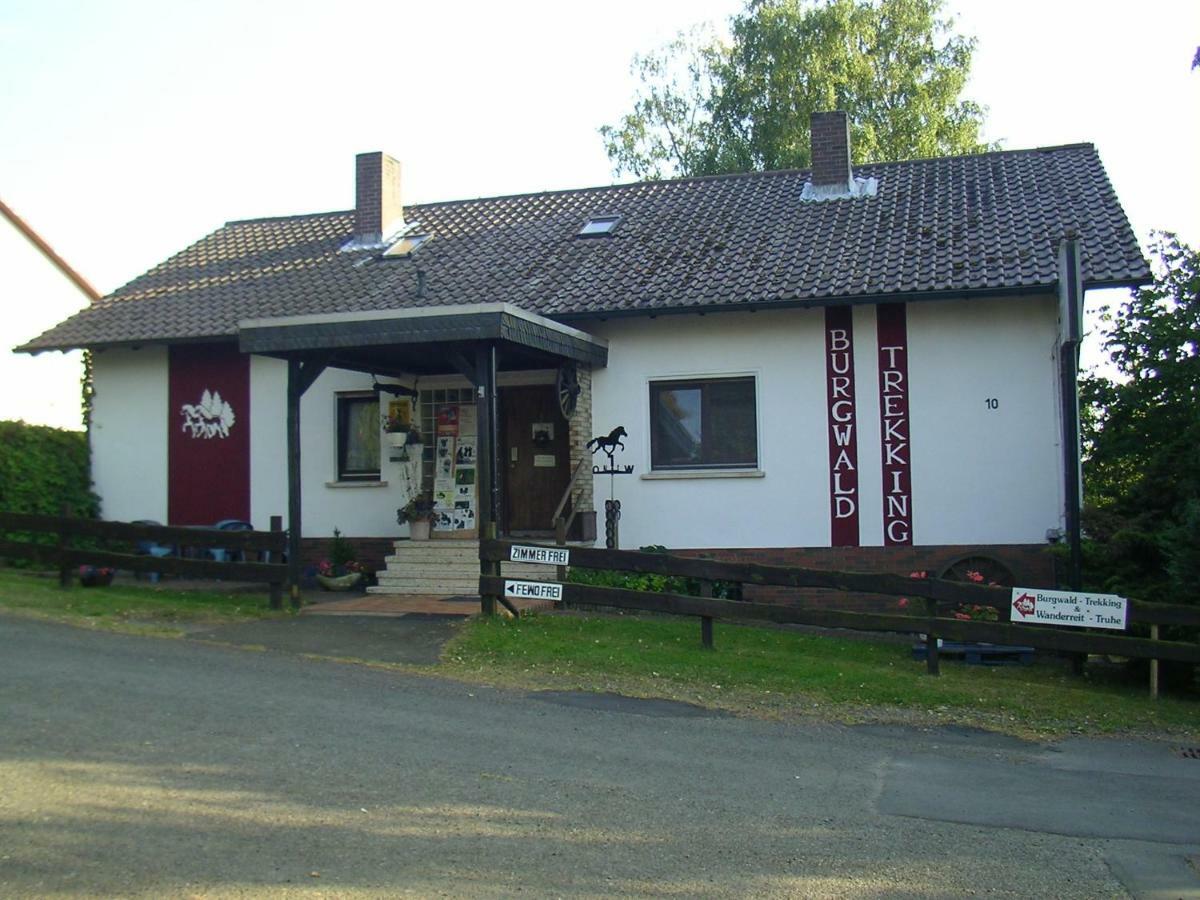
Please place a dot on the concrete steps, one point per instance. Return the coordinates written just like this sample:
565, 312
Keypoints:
444, 568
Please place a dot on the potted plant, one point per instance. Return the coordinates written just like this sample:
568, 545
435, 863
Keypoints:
96, 576
416, 513
342, 571
400, 431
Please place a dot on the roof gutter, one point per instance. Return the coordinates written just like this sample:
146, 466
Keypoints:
820, 302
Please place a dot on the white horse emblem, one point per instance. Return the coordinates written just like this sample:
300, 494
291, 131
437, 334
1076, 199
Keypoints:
211, 417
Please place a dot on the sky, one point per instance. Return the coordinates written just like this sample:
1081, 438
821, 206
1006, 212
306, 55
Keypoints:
130, 129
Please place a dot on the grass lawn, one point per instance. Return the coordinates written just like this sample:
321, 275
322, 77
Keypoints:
142, 608
788, 673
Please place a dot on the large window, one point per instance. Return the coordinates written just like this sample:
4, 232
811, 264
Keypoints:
706, 423
358, 429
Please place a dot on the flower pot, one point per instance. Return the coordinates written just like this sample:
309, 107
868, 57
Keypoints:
397, 438
339, 582
418, 530
91, 577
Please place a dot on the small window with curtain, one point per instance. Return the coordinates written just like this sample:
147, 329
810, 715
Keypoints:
709, 423
358, 428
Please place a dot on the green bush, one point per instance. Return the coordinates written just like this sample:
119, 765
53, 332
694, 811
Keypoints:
639, 581
43, 468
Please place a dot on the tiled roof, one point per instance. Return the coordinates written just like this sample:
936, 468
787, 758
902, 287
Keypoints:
956, 225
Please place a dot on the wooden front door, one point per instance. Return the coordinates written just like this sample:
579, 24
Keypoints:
535, 461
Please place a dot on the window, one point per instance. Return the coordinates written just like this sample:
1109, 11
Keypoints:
431, 400
703, 424
599, 226
358, 430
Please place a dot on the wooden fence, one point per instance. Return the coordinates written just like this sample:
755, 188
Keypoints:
67, 531
939, 596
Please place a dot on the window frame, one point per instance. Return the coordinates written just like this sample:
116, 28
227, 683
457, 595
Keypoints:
700, 381
342, 403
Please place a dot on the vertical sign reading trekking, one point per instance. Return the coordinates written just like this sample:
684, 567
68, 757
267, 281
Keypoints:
894, 424
843, 445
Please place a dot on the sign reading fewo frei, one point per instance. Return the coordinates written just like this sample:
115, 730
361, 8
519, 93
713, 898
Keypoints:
533, 590
1035, 606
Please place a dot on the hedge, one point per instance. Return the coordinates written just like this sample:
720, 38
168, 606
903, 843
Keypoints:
42, 469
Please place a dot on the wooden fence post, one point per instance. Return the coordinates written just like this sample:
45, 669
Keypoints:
64, 570
276, 586
706, 622
1154, 666
931, 641
488, 601
560, 538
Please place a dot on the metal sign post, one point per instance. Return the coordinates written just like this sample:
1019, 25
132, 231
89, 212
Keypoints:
612, 506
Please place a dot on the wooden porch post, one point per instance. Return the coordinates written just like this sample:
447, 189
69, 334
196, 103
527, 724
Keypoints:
294, 393
301, 375
487, 466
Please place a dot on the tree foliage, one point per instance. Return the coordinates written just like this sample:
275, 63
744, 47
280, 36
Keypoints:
1142, 436
894, 66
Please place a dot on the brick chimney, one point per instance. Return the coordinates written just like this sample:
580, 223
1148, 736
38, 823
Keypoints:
831, 151
378, 212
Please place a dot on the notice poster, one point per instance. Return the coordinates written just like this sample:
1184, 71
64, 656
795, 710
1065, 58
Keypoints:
464, 454
466, 420
447, 420
454, 493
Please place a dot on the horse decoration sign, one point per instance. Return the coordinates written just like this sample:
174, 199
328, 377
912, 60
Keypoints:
211, 417
610, 443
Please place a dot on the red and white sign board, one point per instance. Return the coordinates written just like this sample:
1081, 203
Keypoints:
1033, 606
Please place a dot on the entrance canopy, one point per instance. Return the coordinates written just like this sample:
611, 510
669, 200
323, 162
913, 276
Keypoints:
426, 341
476, 341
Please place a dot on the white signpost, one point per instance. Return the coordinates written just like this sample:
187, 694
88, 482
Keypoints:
1035, 606
547, 555
533, 590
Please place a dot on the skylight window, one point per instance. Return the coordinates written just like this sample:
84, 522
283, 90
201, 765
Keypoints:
406, 246
599, 226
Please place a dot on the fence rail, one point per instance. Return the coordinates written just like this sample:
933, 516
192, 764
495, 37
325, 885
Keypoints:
935, 592
64, 557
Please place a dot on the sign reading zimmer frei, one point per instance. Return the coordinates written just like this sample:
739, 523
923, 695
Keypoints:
548, 555
1035, 606
533, 590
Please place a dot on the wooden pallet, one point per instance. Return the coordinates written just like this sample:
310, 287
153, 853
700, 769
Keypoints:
980, 654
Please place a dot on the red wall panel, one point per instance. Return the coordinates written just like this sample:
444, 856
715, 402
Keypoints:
208, 434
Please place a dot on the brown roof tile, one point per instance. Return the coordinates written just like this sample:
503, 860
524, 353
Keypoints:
956, 225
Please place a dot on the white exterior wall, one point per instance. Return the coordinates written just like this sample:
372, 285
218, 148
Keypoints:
129, 433
984, 476
979, 476
357, 509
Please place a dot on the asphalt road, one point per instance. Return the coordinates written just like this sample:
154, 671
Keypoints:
144, 767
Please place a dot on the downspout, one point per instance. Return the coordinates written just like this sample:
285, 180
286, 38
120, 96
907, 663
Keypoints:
1070, 306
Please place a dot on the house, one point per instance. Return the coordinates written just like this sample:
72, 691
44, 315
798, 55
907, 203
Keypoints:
868, 368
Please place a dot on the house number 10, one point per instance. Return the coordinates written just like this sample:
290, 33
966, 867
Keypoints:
992, 403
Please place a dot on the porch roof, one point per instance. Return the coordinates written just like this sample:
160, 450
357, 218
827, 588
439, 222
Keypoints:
422, 341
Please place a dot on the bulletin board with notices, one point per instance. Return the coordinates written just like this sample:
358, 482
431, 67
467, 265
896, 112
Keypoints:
455, 491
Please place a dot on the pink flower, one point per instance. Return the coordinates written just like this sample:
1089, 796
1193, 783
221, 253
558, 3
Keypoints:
977, 577
902, 603
921, 574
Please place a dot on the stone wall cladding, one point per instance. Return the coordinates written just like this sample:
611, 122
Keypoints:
1032, 565
580, 434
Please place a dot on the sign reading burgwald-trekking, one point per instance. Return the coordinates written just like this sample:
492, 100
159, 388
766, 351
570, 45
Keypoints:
1037, 607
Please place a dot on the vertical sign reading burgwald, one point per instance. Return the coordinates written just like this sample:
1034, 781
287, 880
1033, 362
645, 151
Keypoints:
894, 424
843, 445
